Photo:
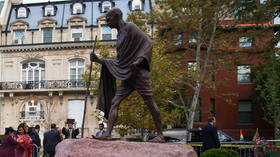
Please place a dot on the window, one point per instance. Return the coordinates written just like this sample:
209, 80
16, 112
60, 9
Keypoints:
212, 107
212, 75
245, 42
246, 8
192, 39
245, 111
106, 33
106, 6
76, 33
178, 40
22, 12
192, 66
77, 68
47, 35
197, 116
77, 8
49, 10
33, 74
136, 5
18, 37
76, 111
32, 110
244, 74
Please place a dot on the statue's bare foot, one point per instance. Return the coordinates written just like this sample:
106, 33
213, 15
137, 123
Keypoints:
104, 137
157, 139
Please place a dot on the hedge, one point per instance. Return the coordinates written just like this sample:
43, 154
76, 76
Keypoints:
220, 153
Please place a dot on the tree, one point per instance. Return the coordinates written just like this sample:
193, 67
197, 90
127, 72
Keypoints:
267, 88
203, 23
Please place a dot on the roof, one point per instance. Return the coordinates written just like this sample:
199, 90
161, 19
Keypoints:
63, 13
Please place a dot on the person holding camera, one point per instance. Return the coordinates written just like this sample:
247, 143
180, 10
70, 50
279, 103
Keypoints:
71, 132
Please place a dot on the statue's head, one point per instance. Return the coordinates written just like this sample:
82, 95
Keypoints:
113, 17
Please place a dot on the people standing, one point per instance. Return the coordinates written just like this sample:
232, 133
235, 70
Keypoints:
36, 139
51, 139
71, 132
8, 143
210, 135
25, 148
101, 130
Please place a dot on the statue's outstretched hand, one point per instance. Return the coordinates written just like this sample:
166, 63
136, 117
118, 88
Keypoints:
95, 58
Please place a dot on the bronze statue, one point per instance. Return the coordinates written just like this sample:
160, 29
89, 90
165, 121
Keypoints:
132, 67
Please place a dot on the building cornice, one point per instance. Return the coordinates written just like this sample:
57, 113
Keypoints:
52, 46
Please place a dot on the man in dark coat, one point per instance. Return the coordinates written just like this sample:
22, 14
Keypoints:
70, 132
210, 135
36, 140
132, 67
51, 139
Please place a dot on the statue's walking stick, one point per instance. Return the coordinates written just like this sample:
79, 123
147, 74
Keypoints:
87, 91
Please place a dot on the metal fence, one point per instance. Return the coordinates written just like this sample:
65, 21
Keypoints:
46, 84
265, 148
243, 150
35, 151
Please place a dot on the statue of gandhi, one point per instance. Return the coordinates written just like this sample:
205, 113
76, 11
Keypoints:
132, 67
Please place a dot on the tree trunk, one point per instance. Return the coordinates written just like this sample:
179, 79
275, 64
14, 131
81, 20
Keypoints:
192, 111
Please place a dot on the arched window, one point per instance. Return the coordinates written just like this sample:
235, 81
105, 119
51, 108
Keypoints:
21, 12
33, 74
77, 8
49, 10
32, 109
106, 6
77, 68
136, 5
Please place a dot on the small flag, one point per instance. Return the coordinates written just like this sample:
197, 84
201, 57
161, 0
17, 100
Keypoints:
256, 138
241, 136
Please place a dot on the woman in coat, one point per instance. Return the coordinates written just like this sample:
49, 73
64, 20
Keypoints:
25, 148
7, 149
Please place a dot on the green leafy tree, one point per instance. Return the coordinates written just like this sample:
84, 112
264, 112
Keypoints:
267, 88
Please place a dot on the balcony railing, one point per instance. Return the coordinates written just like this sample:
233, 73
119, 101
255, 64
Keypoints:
46, 84
24, 115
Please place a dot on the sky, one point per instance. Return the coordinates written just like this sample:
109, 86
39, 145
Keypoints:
276, 20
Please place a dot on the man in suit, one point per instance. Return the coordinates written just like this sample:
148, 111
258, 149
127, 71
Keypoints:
71, 132
36, 139
210, 135
51, 139
101, 130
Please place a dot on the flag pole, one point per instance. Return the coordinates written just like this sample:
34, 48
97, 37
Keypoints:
87, 91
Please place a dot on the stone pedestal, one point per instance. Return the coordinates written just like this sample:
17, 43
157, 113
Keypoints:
97, 148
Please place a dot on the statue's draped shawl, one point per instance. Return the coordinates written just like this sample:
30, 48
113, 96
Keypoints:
132, 43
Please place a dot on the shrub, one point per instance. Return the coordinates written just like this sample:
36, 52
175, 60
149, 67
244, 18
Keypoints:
1, 136
220, 153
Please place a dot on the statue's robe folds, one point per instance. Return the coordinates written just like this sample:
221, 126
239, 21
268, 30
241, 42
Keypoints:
132, 43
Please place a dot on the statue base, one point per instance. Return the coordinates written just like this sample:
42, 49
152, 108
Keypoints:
98, 148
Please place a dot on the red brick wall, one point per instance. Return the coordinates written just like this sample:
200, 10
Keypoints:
227, 113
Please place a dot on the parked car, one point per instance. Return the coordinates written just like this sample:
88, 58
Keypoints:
178, 136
